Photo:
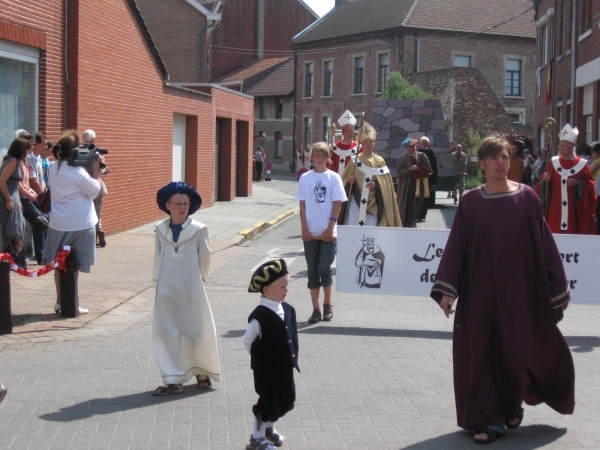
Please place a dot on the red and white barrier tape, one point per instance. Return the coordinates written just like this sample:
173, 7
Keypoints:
58, 263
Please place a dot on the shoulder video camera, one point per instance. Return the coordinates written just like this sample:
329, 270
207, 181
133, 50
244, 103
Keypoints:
86, 155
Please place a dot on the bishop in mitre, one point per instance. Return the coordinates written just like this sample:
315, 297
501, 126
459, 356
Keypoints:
346, 147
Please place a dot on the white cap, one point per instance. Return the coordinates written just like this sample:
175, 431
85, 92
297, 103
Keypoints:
347, 119
569, 134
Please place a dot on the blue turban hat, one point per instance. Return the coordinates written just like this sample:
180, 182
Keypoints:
408, 142
178, 187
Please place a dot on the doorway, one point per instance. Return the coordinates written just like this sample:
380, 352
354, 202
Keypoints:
179, 129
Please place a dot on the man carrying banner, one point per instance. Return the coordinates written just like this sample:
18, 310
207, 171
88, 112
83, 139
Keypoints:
371, 200
506, 346
567, 189
344, 149
413, 169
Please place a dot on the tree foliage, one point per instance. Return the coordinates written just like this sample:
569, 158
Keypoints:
399, 89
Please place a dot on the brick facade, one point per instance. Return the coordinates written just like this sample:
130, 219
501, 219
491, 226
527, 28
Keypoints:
115, 86
488, 54
238, 30
577, 97
176, 28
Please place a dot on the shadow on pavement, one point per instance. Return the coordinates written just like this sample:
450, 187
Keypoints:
102, 406
525, 438
379, 332
584, 344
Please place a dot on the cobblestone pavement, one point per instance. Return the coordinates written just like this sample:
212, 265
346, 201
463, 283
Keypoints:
379, 376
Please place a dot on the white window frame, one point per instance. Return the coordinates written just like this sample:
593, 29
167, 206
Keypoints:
544, 45
307, 137
378, 55
30, 55
456, 53
323, 95
364, 74
329, 119
520, 111
521, 76
312, 87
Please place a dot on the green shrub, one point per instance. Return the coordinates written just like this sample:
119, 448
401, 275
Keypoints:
399, 89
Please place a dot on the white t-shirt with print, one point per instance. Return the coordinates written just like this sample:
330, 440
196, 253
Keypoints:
319, 191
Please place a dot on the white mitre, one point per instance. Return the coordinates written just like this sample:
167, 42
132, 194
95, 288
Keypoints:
347, 119
569, 134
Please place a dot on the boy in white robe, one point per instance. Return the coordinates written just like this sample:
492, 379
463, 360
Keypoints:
183, 329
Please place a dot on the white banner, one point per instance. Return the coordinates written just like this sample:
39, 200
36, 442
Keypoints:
404, 261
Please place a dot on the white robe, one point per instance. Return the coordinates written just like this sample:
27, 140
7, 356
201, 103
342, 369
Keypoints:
183, 330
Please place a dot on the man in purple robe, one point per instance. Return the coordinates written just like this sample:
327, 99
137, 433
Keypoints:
507, 348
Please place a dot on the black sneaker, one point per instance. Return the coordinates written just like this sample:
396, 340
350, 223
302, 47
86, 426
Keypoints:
316, 316
327, 312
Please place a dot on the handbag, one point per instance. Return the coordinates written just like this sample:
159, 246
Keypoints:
44, 202
421, 172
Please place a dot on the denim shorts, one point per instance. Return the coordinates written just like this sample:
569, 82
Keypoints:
319, 258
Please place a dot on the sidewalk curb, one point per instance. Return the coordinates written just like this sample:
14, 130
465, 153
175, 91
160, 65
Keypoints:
248, 234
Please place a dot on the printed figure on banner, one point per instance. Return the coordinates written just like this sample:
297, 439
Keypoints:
369, 260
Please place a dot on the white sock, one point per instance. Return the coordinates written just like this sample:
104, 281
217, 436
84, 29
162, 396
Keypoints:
258, 432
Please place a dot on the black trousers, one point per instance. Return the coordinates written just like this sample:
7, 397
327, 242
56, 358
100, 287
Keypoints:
276, 394
258, 169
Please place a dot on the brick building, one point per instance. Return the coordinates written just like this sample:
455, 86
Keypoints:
94, 65
568, 35
343, 60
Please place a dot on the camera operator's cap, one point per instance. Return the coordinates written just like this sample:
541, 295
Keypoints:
267, 273
178, 187
569, 134
347, 119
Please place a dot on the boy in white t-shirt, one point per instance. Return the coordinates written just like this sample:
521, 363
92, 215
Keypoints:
321, 194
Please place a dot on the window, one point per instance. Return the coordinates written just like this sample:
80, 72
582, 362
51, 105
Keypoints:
359, 75
18, 92
559, 119
544, 45
327, 78
278, 145
462, 61
358, 121
308, 79
513, 78
515, 117
586, 15
568, 113
307, 131
382, 71
278, 108
326, 128
588, 129
262, 113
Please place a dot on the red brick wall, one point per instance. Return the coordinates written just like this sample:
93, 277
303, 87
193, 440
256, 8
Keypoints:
45, 18
176, 27
237, 30
116, 88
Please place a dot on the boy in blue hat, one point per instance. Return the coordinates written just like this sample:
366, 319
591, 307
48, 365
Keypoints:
183, 329
272, 341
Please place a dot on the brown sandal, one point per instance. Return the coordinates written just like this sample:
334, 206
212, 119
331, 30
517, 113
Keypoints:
203, 383
169, 389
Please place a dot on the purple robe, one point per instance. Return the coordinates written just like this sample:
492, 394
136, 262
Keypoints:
502, 263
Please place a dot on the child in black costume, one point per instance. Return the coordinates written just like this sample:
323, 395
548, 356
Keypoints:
272, 341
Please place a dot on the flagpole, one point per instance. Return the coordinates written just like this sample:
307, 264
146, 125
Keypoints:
550, 126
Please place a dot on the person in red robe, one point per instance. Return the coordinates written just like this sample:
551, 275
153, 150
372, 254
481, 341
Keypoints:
510, 286
345, 148
567, 189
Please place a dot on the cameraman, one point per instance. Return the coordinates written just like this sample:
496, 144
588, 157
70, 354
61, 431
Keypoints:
89, 137
72, 217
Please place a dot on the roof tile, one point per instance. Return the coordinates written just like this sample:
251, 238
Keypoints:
279, 82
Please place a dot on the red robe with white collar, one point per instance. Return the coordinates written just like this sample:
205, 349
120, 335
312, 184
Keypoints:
570, 215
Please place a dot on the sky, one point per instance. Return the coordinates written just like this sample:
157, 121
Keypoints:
320, 6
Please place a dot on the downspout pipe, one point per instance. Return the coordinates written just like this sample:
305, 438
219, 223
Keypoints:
553, 75
573, 61
203, 34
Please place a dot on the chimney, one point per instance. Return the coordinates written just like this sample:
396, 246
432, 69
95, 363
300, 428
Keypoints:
260, 30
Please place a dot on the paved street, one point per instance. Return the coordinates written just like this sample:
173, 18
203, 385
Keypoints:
379, 376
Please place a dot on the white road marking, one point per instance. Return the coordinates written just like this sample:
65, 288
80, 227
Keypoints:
289, 258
